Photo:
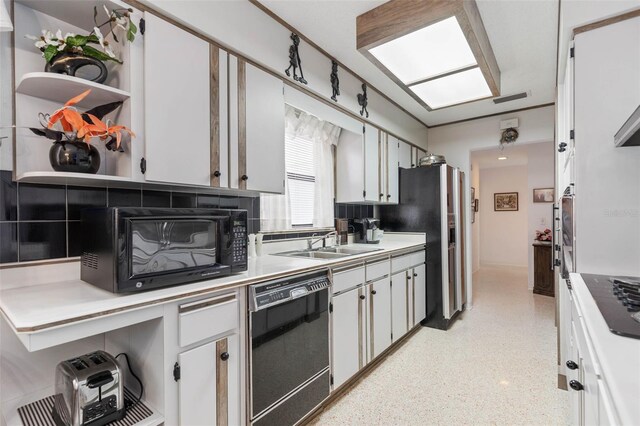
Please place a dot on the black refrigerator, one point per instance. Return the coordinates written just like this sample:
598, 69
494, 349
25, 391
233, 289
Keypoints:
429, 202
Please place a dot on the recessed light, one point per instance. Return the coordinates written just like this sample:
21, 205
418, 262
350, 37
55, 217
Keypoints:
502, 158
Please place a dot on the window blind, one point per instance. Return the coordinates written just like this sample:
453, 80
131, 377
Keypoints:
300, 169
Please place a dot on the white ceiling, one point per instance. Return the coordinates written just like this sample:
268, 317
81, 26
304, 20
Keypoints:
523, 34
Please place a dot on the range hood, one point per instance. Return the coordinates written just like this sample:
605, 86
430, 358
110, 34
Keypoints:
629, 133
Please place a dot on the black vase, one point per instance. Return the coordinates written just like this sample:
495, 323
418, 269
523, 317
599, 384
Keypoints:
77, 157
78, 65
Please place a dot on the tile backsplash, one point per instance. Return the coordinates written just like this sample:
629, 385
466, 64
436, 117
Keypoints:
42, 221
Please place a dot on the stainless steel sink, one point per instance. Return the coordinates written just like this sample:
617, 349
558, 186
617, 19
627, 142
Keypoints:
327, 252
349, 250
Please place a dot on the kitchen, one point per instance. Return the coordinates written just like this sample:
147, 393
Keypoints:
291, 215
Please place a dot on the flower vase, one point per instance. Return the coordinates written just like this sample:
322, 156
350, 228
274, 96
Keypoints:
76, 157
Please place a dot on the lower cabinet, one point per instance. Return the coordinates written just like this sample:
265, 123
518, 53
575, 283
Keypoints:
399, 305
348, 343
419, 284
379, 316
208, 385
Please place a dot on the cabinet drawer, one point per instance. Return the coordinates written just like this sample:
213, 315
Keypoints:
350, 278
206, 318
407, 261
377, 270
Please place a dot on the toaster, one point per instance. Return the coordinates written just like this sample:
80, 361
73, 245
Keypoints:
89, 390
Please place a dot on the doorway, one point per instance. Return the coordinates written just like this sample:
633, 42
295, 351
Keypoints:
510, 202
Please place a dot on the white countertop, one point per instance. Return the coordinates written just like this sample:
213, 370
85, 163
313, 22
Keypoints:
32, 305
617, 356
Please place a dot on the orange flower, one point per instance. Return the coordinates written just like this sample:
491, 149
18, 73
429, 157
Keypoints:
69, 118
102, 130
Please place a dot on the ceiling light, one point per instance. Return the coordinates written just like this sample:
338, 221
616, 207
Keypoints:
439, 54
453, 89
502, 158
437, 49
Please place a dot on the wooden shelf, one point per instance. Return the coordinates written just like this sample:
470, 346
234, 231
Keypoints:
61, 87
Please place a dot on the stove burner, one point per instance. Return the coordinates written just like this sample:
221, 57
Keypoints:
627, 290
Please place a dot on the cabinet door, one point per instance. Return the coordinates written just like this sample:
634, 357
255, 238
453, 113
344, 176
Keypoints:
371, 163
419, 294
392, 189
208, 389
177, 105
379, 316
263, 137
399, 304
350, 167
404, 155
346, 336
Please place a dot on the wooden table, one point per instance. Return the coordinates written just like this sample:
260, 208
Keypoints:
543, 282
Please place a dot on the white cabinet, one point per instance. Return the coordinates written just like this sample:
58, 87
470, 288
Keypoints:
379, 316
416, 154
350, 167
346, 330
419, 293
264, 121
371, 163
388, 174
399, 305
405, 158
177, 105
208, 384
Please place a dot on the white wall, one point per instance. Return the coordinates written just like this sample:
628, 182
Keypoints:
246, 29
456, 141
6, 160
503, 235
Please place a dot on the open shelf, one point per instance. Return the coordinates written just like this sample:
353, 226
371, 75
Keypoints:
61, 87
76, 179
12, 417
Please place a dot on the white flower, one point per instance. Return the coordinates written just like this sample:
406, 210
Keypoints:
61, 41
48, 38
107, 11
103, 42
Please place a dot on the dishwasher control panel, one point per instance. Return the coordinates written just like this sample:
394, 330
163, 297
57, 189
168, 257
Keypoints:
286, 289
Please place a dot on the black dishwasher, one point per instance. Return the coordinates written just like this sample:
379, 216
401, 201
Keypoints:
289, 348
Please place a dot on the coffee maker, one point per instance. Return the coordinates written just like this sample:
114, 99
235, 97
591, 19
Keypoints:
367, 230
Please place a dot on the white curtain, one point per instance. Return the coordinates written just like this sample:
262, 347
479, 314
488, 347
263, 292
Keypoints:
275, 210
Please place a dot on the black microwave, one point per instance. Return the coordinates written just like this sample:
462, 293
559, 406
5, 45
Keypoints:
135, 249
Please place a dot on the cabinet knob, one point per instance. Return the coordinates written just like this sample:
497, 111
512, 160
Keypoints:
381, 195
415, 275
576, 385
373, 292
244, 177
572, 365
224, 356
362, 297
217, 173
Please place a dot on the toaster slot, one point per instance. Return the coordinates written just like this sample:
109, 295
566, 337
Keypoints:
78, 364
96, 358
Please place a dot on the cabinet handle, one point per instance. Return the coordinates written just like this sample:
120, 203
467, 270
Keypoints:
244, 177
415, 275
572, 365
381, 195
217, 174
224, 356
388, 195
576, 385
362, 297
373, 292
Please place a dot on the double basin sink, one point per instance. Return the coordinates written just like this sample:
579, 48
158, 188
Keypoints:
328, 252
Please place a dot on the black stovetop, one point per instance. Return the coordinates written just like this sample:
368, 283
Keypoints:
618, 299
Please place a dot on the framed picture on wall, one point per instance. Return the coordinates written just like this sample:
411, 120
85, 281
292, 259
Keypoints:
505, 201
543, 195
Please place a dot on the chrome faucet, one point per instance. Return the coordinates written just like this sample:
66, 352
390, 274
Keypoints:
311, 241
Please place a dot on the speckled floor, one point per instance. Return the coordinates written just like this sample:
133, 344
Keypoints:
496, 365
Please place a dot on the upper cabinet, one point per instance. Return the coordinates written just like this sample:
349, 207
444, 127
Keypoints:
371, 163
177, 105
388, 177
264, 132
416, 155
405, 158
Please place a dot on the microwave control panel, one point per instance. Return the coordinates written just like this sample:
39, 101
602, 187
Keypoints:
239, 245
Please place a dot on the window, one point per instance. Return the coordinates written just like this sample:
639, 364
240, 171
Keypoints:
301, 179
308, 198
